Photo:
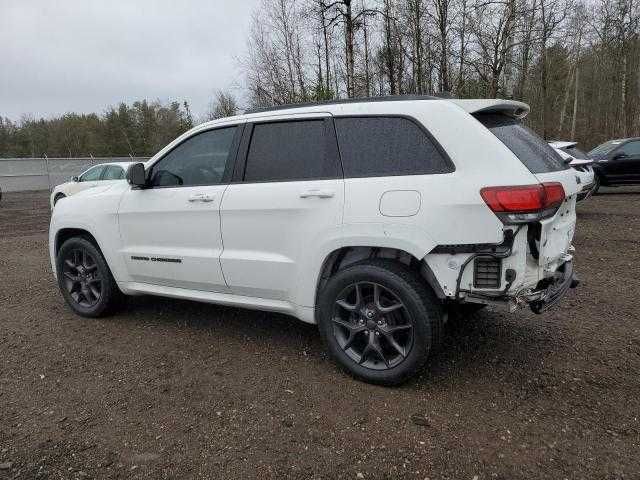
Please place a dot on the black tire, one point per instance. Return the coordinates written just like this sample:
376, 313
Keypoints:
401, 349
58, 197
87, 286
596, 187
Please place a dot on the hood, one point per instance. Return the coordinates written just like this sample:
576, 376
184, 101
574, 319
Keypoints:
99, 189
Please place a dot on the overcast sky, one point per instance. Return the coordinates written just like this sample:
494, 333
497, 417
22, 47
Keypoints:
85, 55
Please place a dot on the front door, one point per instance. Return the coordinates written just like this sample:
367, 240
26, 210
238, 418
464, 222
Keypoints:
285, 206
170, 231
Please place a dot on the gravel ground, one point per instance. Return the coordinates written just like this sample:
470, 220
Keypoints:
175, 389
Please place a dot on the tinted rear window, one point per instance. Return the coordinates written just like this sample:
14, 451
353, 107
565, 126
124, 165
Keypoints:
533, 151
283, 151
387, 146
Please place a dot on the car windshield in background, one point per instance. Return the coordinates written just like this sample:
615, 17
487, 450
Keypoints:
575, 153
605, 148
533, 151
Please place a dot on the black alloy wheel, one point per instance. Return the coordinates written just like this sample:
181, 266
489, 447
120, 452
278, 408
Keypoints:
81, 278
372, 326
380, 320
85, 279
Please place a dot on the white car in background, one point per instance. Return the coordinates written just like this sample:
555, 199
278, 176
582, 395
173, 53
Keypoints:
581, 163
98, 175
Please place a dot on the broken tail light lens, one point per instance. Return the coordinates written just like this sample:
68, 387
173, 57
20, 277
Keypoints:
524, 203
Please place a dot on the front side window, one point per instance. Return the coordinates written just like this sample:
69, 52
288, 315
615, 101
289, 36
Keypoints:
630, 149
286, 151
387, 146
199, 160
113, 172
531, 150
92, 174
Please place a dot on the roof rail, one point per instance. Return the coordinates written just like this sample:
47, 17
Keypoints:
386, 98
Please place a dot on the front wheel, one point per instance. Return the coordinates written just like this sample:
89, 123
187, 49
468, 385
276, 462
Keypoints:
379, 320
85, 280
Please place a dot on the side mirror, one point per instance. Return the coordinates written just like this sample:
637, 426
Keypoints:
136, 175
75, 178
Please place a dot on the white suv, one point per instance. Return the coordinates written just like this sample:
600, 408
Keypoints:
371, 218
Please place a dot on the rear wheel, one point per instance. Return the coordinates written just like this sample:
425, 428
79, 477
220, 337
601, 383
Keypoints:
379, 321
85, 280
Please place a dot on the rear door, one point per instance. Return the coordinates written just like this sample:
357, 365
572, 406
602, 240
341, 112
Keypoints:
284, 205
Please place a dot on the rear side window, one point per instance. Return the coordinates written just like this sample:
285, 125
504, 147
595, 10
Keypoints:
387, 146
533, 151
285, 151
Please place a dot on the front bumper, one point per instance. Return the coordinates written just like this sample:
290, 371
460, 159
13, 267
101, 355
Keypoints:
563, 280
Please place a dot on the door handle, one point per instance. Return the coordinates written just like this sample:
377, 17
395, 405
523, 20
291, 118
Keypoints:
201, 197
317, 193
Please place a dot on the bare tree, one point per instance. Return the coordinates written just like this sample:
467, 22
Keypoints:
494, 26
224, 104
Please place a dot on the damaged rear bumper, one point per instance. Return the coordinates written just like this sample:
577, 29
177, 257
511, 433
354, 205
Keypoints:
563, 280
547, 293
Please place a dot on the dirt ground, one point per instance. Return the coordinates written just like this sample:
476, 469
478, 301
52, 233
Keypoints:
174, 389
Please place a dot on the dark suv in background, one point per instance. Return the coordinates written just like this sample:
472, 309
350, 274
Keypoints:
617, 162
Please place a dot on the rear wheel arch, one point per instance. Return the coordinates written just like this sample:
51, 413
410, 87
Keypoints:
343, 257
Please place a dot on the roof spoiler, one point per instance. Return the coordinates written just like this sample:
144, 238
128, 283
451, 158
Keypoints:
512, 108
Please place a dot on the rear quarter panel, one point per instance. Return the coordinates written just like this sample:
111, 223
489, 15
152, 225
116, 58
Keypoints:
451, 208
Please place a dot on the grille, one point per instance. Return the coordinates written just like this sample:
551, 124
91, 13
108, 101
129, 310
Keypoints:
487, 272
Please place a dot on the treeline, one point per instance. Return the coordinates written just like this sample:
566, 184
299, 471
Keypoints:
140, 129
576, 62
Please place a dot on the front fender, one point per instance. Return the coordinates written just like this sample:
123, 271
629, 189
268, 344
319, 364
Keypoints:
96, 214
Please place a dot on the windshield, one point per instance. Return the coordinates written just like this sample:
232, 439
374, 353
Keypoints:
605, 148
533, 151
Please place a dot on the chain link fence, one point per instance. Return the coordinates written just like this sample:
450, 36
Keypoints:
25, 174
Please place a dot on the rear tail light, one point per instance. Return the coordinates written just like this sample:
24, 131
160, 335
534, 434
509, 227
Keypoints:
524, 203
